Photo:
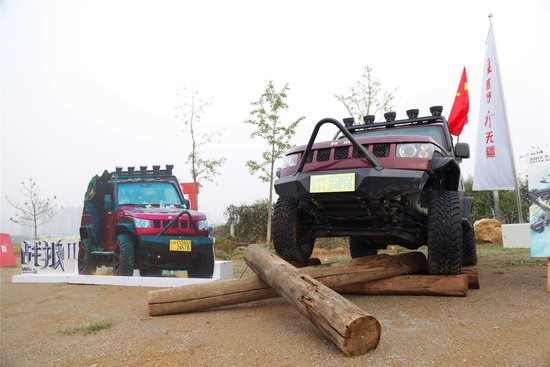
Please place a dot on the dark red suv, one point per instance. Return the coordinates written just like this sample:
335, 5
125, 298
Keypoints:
396, 182
146, 225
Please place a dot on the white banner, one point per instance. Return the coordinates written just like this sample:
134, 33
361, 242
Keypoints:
494, 169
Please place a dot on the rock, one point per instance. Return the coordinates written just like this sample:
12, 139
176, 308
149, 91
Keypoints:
488, 232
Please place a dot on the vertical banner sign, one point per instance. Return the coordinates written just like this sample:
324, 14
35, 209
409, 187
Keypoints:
539, 203
494, 168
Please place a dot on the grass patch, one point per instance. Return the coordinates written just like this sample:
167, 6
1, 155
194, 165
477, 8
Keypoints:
91, 328
506, 263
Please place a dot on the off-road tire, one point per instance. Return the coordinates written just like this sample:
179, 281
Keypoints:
150, 272
469, 251
123, 257
202, 266
444, 233
289, 232
359, 247
86, 260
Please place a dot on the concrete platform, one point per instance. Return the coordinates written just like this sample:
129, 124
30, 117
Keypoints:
222, 270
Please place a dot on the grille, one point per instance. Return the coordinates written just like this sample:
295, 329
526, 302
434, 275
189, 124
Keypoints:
341, 152
381, 150
323, 155
356, 153
183, 224
309, 158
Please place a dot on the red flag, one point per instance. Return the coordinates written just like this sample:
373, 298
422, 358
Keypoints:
459, 113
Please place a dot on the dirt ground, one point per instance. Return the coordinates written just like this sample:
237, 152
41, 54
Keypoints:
505, 323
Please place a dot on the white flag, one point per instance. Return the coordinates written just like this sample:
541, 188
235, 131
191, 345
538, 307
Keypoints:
494, 167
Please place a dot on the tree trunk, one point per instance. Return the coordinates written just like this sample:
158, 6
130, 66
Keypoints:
234, 291
352, 330
414, 285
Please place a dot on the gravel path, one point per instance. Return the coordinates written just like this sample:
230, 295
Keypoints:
505, 323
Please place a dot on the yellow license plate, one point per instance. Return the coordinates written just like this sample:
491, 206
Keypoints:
180, 245
332, 183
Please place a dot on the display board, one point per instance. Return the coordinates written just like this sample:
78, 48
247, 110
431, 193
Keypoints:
539, 203
50, 255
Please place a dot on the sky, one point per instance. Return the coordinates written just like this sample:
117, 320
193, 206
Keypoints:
91, 85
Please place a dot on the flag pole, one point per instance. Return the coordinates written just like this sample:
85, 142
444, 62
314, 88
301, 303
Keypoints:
518, 196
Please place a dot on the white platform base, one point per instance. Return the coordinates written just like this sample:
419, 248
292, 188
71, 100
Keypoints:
516, 235
222, 270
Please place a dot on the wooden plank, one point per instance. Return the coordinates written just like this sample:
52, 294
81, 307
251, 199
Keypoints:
346, 325
234, 291
417, 285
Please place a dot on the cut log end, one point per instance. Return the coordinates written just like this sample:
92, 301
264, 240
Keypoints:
362, 336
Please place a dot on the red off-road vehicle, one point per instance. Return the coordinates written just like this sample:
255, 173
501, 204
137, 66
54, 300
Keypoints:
146, 225
396, 182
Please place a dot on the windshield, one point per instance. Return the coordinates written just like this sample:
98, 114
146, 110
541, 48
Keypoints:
157, 193
432, 131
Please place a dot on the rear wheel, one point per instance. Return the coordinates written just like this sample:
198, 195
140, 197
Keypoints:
202, 266
150, 272
123, 259
444, 233
86, 261
291, 237
469, 251
359, 247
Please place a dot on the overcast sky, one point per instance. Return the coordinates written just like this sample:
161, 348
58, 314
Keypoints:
90, 85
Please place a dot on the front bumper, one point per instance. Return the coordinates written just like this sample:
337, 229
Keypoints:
155, 251
369, 184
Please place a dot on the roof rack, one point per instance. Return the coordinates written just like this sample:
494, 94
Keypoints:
416, 121
143, 172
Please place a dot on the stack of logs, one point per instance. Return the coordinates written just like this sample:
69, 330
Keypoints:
315, 291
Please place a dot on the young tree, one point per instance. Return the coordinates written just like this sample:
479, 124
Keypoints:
266, 118
36, 210
190, 112
366, 97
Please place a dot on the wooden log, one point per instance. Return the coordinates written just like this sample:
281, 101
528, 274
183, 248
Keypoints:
414, 285
234, 291
473, 279
352, 330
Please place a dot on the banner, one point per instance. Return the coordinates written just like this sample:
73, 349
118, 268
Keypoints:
7, 257
50, 255
494, 167
539, 203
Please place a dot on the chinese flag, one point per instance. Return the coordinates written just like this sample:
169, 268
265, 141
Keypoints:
459, 113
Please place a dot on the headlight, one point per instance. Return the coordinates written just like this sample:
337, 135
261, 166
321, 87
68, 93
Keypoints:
289, 160
410, 150
142, 223
202, 225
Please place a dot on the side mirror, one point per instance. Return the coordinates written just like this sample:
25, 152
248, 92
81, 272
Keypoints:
278, 172
462, 150
187, 204
210, 229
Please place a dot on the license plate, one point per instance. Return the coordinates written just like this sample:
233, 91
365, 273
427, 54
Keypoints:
344, 182
180, 245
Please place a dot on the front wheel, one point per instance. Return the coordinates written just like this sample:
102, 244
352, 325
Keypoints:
202, 266
444, 233
86, 260
291, 237
469, 251
123, 259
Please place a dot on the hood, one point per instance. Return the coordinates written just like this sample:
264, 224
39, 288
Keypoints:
157, 213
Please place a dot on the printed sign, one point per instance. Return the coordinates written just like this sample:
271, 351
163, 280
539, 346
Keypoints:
50, 255
539, 203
